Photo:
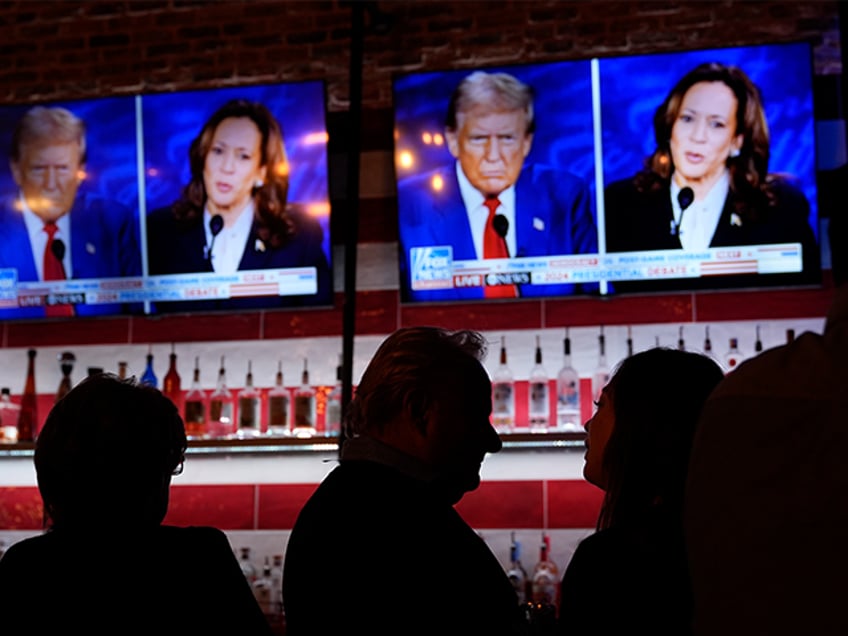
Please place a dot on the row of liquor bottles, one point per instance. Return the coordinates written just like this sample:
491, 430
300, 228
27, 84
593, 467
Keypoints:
223, 413
567, 413
554, 403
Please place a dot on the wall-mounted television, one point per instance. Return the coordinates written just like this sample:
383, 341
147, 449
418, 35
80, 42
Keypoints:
176, 202
673, 171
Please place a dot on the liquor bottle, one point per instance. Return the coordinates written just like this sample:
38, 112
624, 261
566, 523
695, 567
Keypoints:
790, 336
221, 407
516, 573
333, 415
538, 404
304, 406
263, 590
545, 586
601, 375
503, 395
681, 344
9, 414
172, 383
568, 391
277, 584
66, 366
195, 406
122, 370
733, 356
278, 406
758, 344
149, 377
28, 418
247, 567
248, 407
708, 344
629, 341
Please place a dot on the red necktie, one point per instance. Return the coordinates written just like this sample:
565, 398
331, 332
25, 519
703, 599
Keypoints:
54, 270
494, 246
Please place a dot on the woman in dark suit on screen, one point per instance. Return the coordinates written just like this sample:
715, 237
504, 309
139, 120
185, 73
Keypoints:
707, 184
233, 215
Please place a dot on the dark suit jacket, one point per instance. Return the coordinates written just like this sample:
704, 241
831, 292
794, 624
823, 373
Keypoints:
178, 248
165, 580
637, 220
553, 216
104, 244
376, 552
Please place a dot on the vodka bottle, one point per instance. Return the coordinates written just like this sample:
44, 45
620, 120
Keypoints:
733, 356
263, 589
568, 391
195, 407
221, 407
278, 406
516, 572
66, 366
538, 404
149, 377
681, 343
708, 344
333, 415
247, 567
304, 406
248, 407
601, 375
545, 586
629, 341
9, 414
28, 419
277, 584
172, 383
758, 344
503, 395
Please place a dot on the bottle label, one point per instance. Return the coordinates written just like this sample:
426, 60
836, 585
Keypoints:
502, 398
303, 411
193, 412
568, 395
278, 411
539, 398
248, 407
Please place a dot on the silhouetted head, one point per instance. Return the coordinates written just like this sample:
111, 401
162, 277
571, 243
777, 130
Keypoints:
640, 437
106, 455
426, 393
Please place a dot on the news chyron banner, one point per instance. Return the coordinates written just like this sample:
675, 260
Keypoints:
434, 267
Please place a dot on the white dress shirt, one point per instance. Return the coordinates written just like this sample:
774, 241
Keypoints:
231, 241
478, 213
700, 219
38, 238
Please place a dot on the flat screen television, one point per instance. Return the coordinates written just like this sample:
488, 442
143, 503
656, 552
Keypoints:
177, 202
631, 175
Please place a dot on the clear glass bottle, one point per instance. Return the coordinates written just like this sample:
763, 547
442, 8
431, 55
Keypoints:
601, 374
304, 406
278, 406
629, 341
758, 343
172, 382
66, 367
195, 407
539, 402
516, 573
263, 590
546, 581
681, 343
221, 407
708, 344
149, 377
28, 418
247, 567
249, 412
9, 415
733, 356
568, 391
503, 395
277, 584
333, 414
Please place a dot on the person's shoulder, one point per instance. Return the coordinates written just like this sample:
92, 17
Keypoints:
537, 174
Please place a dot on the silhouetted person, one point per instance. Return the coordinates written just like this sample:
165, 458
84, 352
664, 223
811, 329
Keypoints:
767, 500
630, 577
379, 547
106, 564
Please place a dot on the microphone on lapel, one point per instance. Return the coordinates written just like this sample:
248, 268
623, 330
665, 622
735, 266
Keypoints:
685, 198
216, 224
58, 249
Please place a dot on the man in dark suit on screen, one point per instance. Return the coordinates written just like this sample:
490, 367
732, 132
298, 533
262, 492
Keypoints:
50, 231
489, 204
